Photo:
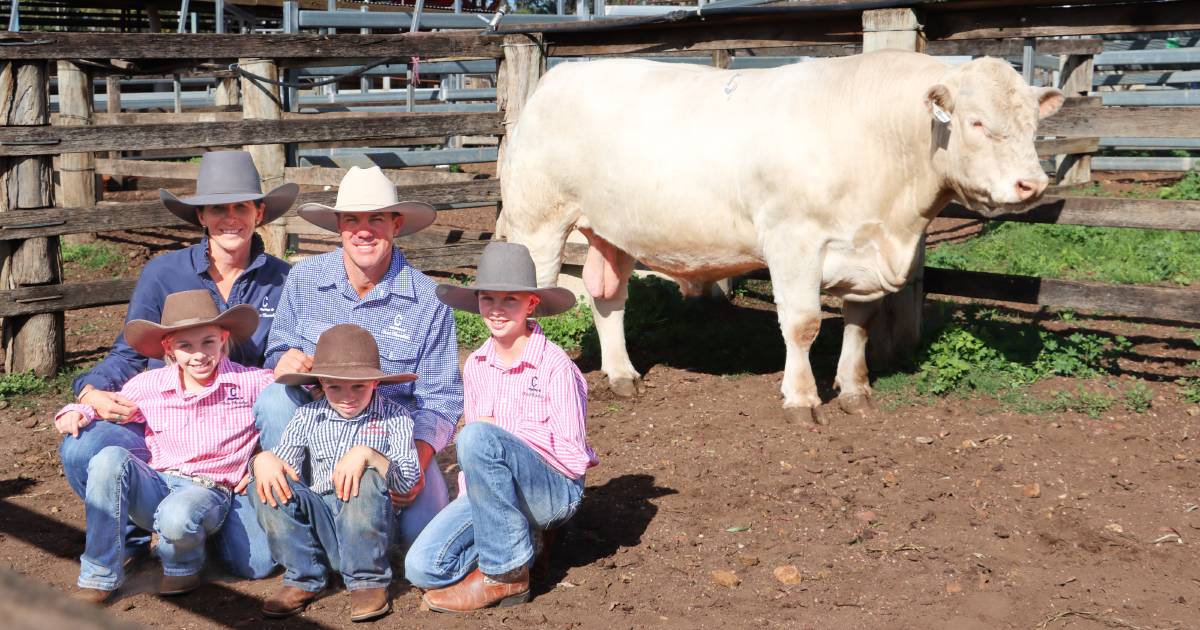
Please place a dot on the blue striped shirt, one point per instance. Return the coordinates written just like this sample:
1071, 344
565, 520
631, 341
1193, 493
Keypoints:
324, 436
260, 286
414, 330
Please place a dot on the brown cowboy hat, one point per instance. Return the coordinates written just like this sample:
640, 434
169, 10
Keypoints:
189, 309
349, 353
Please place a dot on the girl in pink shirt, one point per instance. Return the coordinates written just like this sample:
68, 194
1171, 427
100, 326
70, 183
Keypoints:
199, 426
523, 450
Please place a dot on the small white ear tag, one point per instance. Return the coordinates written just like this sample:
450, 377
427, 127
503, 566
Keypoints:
940, 114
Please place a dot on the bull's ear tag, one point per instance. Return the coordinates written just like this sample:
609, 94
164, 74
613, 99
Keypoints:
940, 114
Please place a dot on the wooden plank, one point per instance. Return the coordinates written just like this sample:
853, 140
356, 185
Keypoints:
64, 297
49, 140
1060, 146
153, 118
726, 34
1129, 301
303, 175
1155, 214
1134, 17
1013, 47
1123, 122
157, 46
23, 224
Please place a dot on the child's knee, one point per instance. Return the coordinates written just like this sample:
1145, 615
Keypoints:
476, 440
110, 462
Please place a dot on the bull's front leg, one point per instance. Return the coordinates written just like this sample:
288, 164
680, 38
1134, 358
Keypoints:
606, 275
852, 379
796, 282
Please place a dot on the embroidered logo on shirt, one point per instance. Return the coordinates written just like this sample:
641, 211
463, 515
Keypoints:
374, 427
233, 396
533, 390
265, 311
396, 329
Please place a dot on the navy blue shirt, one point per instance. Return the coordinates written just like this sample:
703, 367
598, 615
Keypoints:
260, 286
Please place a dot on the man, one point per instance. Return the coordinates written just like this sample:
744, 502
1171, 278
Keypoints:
368, 282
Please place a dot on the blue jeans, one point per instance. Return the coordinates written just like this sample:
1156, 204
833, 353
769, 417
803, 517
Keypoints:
314, 533
512, 496
241, 545
122, 488
275, 407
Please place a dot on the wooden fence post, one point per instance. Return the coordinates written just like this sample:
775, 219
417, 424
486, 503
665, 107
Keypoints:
1075, 80
896, 326
112, 105
33, 342
517, 75
262, 101
226, 92
77, 171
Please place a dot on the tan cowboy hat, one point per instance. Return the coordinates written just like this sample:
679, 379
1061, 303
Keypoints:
506, 267
229, 177
346, 352
189, 309
369, 190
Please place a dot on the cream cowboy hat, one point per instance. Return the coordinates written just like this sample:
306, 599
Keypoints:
506, 267
229, 177
369, 190
349, 353
189, 309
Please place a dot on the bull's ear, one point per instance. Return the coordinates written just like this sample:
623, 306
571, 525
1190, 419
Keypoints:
1049, 100
939, 102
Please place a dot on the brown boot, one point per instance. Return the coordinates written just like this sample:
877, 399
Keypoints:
287, 601
478, 591
178, 584
92, 595
369, 603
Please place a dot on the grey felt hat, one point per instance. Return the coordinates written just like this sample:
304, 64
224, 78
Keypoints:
506, 267
229, 177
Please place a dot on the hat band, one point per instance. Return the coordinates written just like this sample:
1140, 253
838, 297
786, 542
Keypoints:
191, 320
362, 207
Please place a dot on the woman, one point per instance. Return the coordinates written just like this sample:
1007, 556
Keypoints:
231, 264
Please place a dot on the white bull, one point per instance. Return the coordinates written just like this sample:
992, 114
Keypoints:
826, 172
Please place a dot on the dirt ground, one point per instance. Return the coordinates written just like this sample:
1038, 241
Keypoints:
708, 510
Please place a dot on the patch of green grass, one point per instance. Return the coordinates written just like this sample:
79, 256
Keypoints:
1137, 398
1189, 389
1117, 255
21, 384
1090, 403
1187, 188
92, 256
565, 329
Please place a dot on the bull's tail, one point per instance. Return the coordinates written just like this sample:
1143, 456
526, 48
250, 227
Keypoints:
502, 229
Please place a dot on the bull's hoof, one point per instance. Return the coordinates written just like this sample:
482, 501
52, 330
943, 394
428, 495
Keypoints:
626, 387
803, 416
855, 404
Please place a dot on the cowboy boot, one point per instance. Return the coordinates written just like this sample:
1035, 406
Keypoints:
478, 591
369, 603
287, 601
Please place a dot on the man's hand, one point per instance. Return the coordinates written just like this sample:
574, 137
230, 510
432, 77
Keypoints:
293, 361
425, 454
349, 469
109, 406
71, 422
272, 473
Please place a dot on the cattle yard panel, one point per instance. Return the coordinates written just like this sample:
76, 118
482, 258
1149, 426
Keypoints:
521, 57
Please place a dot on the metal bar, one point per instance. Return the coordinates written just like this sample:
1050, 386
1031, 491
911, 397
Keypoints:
474, 66
411, 75
1027, 60
403, 21
1153, 144
1168, 164
14, 16
1163, 57
396, 158
183, 12
364, 84
219, 16
1167, 98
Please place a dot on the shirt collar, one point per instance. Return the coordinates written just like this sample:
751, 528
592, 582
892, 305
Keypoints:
373, 409
398, 280
531, 355
258, 254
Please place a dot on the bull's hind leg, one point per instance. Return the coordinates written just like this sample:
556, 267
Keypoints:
606, 274
796, 281
852, 377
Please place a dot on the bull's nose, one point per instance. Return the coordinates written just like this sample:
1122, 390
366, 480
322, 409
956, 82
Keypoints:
1029, 188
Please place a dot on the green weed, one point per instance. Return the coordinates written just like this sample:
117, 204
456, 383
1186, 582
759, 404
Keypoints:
565, 329
1137, 398
1118, 255
21, 384
91, 255
1189, 389
1187, 188
1090, 403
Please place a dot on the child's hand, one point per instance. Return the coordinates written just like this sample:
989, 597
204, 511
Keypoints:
272, 473
71, 422
349, 470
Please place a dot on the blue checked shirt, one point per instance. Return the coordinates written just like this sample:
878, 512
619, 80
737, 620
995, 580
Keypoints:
321, 433
414, 330
260, 286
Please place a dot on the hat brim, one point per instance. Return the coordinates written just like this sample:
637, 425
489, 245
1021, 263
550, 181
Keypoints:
554, 300
145, 337
344, 373
276, 202
418, 215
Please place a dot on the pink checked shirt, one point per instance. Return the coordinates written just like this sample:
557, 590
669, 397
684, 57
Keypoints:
208, 433
541, 398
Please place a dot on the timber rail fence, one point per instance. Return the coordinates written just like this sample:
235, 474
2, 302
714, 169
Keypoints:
33, 297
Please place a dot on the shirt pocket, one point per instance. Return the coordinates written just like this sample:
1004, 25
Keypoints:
396, 356
311, 333
535, 409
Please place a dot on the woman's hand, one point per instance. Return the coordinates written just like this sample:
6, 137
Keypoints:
272, 474
71, 422
109, 406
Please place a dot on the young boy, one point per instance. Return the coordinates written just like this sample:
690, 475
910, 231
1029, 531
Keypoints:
199, 427
523, 451
359, 446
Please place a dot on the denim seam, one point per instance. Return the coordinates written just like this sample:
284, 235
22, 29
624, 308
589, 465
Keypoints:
445, 550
